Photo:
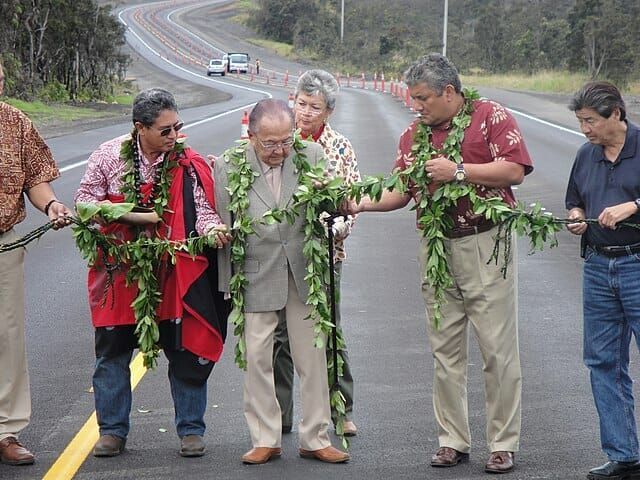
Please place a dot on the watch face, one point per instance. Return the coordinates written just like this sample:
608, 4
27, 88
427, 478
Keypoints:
460, 175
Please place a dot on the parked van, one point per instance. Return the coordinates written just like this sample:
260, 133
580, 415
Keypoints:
237, 62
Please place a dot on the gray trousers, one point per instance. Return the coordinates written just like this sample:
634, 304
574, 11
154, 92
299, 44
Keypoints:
283, 365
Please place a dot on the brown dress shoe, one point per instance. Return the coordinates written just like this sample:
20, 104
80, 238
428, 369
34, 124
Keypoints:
448, 457
12, 452
499, 462
349, 428
260, 455
109, 446
328, 454
192, 446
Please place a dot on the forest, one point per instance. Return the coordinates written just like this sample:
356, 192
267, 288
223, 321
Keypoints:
60, 50
598, 37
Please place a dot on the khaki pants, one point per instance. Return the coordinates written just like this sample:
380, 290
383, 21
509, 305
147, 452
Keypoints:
283, 365
261, 408
482, 298
15, 396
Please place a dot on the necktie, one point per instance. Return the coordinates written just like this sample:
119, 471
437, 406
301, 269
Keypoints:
274, 180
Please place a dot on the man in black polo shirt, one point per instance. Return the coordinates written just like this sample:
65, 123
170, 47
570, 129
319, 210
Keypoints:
605, 185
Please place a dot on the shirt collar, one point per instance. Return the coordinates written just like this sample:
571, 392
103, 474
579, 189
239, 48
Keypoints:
630, 141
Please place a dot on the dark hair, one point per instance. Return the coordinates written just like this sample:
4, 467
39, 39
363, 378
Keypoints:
148, 105
269, 107
603, 97
436, 71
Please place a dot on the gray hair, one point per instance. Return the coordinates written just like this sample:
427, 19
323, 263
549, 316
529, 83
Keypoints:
148, 105
319, 82
269, 107
603, 97
436, 71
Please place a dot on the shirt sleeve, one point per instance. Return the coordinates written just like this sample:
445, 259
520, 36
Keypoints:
206, 215
351, 175
94, 185
38, 163
573, 199
505, 139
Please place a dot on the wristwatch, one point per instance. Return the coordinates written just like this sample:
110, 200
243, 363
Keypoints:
461, 175
637, 202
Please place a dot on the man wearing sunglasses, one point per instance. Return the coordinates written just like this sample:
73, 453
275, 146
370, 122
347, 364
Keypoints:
275, 268
153, 167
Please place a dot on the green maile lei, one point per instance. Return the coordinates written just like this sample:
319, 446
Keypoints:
434, 220
309, 201
142, 256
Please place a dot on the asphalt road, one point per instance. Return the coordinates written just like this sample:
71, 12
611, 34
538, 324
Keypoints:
383, 320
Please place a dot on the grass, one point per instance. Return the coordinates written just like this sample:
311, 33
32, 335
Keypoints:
544, 82
281, 49
40, 112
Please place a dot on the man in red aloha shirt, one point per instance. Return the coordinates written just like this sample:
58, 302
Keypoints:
494, 158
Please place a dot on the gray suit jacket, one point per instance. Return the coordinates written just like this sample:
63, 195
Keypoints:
274, 246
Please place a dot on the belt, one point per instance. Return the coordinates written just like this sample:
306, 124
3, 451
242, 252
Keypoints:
466, 231
616, 250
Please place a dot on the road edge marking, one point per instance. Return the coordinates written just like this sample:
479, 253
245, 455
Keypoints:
74, 455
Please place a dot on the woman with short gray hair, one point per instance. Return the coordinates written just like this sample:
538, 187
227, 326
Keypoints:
315, 100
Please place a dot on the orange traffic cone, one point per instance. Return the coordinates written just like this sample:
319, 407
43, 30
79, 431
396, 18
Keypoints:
244, 126
291, 99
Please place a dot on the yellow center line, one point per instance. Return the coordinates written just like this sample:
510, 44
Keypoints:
70, 461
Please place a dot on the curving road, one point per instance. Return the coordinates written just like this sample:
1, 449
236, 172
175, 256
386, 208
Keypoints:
384, 319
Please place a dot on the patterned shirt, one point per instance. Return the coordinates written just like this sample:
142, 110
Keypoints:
492, 136
341, 162
106, 169
25, 161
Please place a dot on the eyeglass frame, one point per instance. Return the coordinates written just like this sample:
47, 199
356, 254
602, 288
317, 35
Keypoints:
284, 144
164, 132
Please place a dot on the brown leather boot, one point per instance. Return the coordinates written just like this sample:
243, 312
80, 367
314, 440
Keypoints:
328, 454
260, 455
109, 446
12, 452
192, 446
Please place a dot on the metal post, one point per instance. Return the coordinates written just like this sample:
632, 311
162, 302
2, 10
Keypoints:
342, 23
332, 301
444, 28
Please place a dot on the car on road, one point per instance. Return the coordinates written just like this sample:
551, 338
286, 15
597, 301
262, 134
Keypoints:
238, 62
216, 65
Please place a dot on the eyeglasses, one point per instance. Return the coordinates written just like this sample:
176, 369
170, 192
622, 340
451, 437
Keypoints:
273, 145
166, 131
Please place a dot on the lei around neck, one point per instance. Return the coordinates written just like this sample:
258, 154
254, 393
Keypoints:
309, 202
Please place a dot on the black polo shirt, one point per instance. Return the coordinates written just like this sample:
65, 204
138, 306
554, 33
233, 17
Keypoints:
596, 183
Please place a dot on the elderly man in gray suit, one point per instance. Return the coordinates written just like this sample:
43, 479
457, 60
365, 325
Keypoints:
275, 269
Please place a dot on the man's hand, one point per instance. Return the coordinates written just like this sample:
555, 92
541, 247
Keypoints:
212, 159
59, 214
577, 228
219, 235
611, 216
440, 169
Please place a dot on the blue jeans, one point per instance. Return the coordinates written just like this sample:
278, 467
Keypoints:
112, 392
611, 292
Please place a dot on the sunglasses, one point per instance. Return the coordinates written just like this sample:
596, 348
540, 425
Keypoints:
166, 131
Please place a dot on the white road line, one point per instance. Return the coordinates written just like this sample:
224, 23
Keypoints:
544, 122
